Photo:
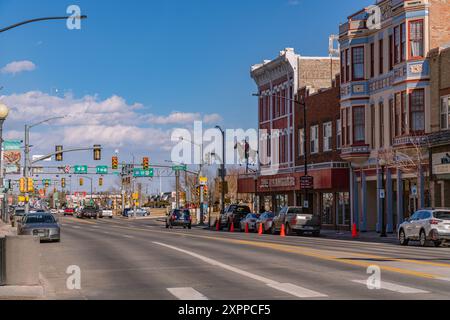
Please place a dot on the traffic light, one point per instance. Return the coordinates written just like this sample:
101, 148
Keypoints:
63, 183
100, 182
30, 185
81, 181
146, 163
115, 163
198, 192
59, 154
47, 183
205, 191
97, 152
23, 185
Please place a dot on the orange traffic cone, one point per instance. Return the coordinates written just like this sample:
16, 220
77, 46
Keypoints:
232, 227
218, 225
354, 231
283, 231
260, 231
246, 228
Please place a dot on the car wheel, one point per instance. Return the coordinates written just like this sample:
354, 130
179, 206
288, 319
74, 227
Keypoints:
423, 238
402, 237
437, 243
316, 234
288, 230
111, 217
189, 227
167, 226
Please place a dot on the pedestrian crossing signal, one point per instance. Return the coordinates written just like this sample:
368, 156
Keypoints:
59, 154
100, 182
97, 152
63, 183
30, 185
81, 182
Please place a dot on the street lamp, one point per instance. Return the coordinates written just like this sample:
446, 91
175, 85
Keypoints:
222, 173
40, 19
4, 111
302, 103
382, 193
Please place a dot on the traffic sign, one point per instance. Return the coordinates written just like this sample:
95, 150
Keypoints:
80, 169
67, 169
306, 182
182, 167
102, 169
141, 173
203, 181
382, 194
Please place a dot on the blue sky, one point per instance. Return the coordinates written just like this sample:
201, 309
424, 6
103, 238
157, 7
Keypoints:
153, 58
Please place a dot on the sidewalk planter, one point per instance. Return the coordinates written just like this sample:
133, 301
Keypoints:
22, 261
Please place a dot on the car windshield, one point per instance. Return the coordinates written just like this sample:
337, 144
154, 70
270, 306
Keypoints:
252, 216
19, 213
40, 218
296, 210
443, 215
187, 213
242, 209
270, 215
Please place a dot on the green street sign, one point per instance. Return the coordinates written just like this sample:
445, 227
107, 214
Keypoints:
141, 173
80, 169
180, 168
102, 169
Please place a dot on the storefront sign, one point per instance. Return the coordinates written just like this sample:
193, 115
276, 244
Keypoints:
278, 183
441, 169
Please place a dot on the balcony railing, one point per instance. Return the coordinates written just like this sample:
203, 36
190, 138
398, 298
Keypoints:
421, 140
364, 149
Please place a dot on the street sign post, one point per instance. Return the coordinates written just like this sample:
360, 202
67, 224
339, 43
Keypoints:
102, 169
306, 182
80, 169
141, 173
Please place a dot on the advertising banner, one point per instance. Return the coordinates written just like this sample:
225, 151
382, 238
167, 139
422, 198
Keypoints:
12, 156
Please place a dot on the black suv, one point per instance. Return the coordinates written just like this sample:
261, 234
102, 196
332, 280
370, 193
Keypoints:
179, 218
88, 212
233, 215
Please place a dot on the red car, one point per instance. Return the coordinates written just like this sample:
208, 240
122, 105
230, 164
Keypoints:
69, 212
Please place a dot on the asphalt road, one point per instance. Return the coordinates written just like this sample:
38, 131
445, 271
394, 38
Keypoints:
122, 259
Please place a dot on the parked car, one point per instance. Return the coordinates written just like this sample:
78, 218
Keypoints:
69, 212
250, 219
179, 218
233, 214
106, 213
296, 221
266, 220
17, 216
43, 225
426, 225
88, 212
53, 211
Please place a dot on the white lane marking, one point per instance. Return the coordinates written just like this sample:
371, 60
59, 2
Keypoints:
106, 232
77, 227
127, 236
285, 287
186, 294
394, 287
95, 227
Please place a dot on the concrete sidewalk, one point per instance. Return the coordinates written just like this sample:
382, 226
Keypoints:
363, 236
7, 230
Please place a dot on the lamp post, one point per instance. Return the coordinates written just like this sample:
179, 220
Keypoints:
27, 163
222, 173
302, 103
4, 111
40, 19
382, 164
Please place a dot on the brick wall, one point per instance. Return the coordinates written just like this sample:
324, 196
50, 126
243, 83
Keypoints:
317, 73
439, 23
322, 107
440, 82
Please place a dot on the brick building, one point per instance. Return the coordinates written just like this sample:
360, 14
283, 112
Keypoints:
439, 140
278, 82
330, 198
386, 106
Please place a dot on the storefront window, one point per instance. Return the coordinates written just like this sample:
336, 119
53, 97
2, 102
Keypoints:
343, 208
445, 112
327, 208
281, 201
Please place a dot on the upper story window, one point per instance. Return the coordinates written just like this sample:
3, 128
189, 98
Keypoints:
445, 113
314, 139
327, 136
359, 124
338, 134
372, 60
372, 125
347, 66
381, 116
381, 56
399, 43
343, 66
416, 42
358, 63
418, 110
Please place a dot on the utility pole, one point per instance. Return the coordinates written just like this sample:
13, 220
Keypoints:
177, 182
222, 173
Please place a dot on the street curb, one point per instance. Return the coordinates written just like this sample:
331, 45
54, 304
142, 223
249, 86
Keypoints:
25, 292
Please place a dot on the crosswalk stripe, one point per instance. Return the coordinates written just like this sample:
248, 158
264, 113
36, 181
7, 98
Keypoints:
297, 291
394, 287
186, 294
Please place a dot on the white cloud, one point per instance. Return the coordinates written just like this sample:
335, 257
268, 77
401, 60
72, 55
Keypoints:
16, 67
212, 118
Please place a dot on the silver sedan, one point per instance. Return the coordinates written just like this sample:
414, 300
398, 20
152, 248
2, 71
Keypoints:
42, 225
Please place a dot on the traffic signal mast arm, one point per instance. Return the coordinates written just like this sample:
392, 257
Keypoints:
63, 151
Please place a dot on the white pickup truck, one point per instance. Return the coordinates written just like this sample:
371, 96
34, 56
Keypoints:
106, 213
